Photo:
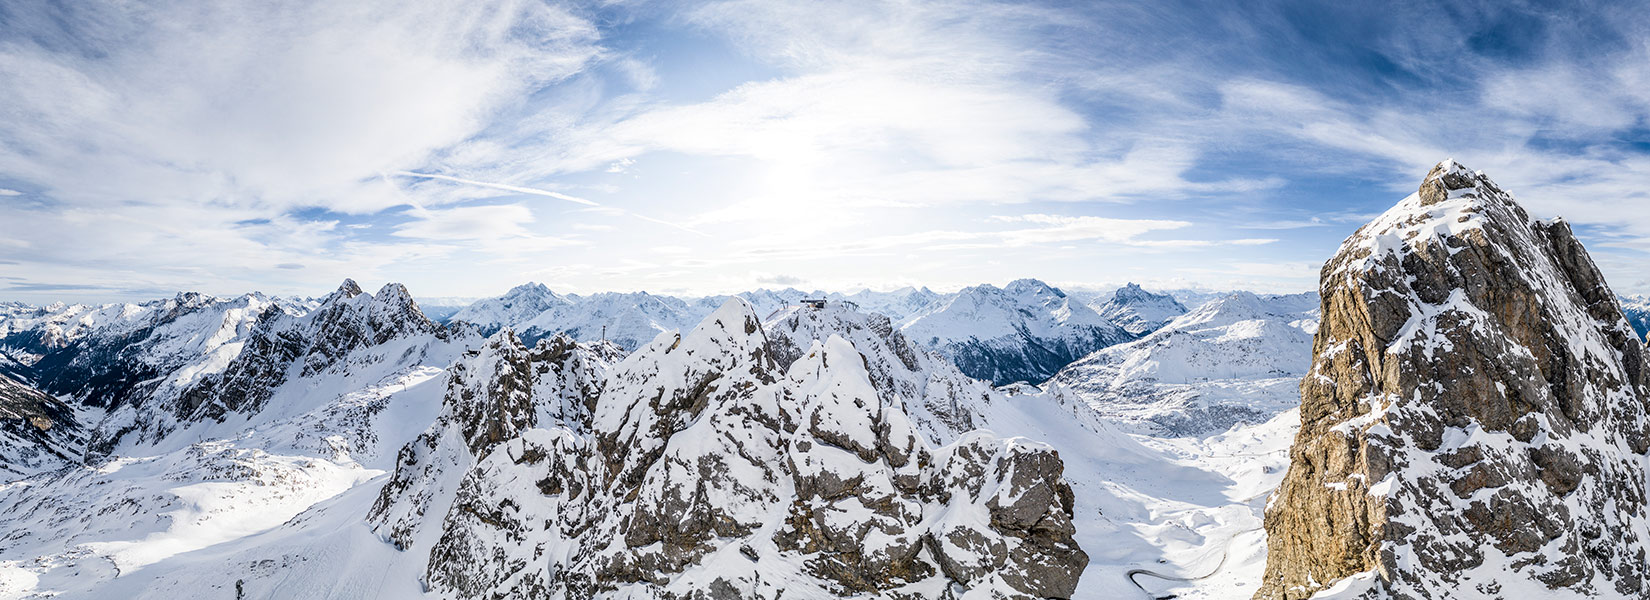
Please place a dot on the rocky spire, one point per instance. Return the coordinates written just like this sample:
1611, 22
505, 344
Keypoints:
1474, 422
347, 289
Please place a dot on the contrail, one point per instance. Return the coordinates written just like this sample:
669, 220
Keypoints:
539, 192
500, 186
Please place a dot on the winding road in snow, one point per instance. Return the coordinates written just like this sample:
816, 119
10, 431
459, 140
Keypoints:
1226, 551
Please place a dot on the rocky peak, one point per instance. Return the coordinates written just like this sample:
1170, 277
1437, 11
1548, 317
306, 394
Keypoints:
1450, 177
708, 473
941, 399
667, 385
1032, 287
186, 301
393, 313
1130, 291
1474, 423
531, 288
1138, 311
319, 340
490, 392
347, 289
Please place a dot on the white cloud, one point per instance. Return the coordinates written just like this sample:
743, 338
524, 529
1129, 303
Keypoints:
468, 223
156, 130
250, 102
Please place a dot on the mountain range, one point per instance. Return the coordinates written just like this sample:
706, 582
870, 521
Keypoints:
1459, 411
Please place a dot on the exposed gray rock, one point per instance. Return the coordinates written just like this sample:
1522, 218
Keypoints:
494, 393
708, 471
1474, 424
345, 321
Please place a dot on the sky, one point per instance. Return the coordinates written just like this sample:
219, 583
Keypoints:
463, 148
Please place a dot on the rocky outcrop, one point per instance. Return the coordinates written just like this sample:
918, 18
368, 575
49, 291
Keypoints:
1474, 423
37, 431
494, 393
709, 471
283, 345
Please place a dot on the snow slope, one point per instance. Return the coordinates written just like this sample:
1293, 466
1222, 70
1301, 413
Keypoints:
1238, 358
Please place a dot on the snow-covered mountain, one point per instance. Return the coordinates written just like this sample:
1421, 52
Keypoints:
944, 402
360, 450
898, 305
631, 319
253, 416
1474, 424
331, 461
1637, 311
516, 307
702, 464
111, 358
38, 432
1025, 331
1238, 358
1136, 310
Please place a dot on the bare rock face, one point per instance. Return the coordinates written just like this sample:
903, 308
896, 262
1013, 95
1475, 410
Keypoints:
1474, 423
494, 393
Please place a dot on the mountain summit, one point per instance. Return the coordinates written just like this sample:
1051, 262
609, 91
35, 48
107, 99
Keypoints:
1138, 311
1024, 331
1474, 422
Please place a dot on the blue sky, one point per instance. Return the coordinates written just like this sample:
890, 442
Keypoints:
463, 148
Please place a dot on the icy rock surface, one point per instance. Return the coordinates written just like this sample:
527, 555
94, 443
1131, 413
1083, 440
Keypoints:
1474, 422
709, 471
493, 394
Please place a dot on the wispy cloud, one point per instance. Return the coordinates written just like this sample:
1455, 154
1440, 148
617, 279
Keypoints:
465, 146
500, 186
